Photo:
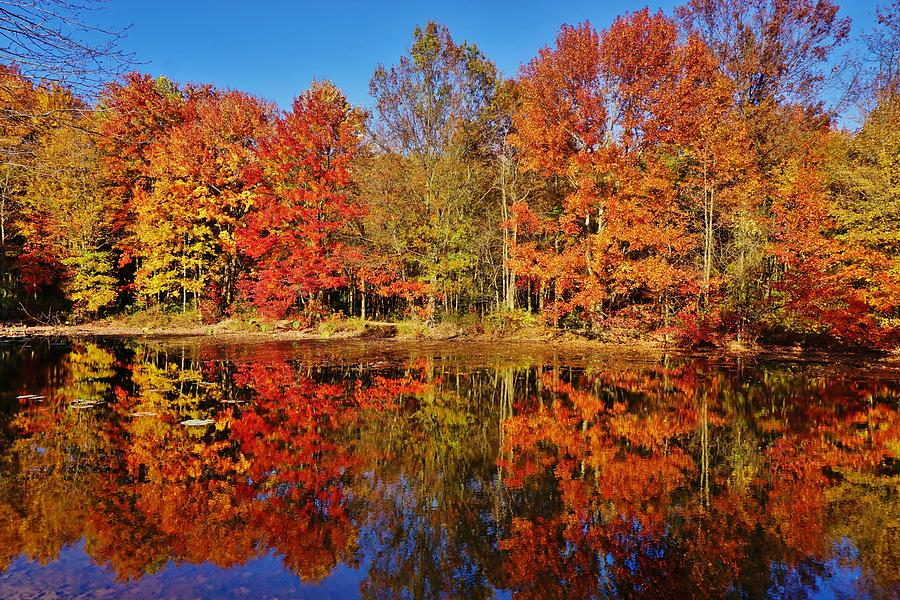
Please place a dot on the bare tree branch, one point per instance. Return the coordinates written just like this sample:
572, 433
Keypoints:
54, 41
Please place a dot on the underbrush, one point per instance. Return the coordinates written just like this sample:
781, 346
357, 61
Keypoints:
153, 318
339, 325
513, 323
241, 325
157, 318
505, 324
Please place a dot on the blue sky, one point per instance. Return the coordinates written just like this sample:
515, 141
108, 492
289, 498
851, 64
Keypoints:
273, 49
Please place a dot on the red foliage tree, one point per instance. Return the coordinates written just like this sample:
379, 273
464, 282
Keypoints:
292, 234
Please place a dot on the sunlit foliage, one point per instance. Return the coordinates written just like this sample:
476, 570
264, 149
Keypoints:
684, 177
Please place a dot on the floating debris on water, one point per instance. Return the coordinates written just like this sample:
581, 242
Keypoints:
143, 413
85, 403
197, 422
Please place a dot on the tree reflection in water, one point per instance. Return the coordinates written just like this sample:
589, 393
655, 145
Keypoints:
432, 476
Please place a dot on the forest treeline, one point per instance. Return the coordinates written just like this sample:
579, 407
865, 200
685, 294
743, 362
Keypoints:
688, 175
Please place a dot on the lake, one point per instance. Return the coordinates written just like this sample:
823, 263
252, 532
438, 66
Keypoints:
178, 469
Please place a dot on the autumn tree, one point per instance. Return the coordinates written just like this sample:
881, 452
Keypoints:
863, 164
823, 285
865, 188
51, 201
133, 115
294, 235
53, 44
642, 173
427, 113
18, 100
198, 199
778, 57
512, 185
777, 54
67, 227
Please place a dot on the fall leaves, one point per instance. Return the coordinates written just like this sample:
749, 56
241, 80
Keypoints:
662, 188
304, 204
680, 176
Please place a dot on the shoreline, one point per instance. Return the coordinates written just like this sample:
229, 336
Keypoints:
376, 333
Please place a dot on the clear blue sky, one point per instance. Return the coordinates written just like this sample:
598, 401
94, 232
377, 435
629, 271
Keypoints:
273, 49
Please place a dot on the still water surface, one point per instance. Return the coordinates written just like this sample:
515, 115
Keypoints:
310, 470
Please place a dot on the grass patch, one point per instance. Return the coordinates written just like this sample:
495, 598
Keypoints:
240, 325
512, 323
339, 325
411, 328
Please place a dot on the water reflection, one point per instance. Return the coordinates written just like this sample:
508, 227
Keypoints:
425, 476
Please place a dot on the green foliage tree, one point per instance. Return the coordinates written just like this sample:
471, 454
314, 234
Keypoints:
429, 111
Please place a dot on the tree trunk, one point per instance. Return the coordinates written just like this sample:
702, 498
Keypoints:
708, 208
362, 300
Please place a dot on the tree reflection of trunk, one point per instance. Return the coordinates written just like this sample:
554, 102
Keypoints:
704, 447
507, 380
